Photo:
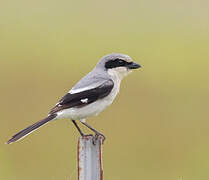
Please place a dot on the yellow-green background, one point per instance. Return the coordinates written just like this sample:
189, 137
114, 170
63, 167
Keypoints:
158, 127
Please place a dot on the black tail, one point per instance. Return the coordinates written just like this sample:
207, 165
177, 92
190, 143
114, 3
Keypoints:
30, 129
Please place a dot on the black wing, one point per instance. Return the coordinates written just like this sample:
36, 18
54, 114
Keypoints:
83, 98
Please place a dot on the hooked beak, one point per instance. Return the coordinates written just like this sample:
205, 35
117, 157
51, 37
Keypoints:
133, 65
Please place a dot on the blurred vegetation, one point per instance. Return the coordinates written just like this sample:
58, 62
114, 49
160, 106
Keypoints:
158, 127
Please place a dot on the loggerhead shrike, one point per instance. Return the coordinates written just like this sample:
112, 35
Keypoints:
91, 95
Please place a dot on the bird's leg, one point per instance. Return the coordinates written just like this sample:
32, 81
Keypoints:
95, 131
77, 127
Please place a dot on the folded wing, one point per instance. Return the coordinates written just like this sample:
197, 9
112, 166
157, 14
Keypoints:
84, 98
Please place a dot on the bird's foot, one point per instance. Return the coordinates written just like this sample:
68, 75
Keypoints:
94, 138
100, 137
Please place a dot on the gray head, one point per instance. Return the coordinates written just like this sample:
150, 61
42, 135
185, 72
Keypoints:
117, 64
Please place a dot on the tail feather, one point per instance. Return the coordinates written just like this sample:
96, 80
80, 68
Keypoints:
30, 129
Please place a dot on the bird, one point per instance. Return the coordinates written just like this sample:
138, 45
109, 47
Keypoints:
91, 95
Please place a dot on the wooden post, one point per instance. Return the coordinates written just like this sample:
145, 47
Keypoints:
90, 158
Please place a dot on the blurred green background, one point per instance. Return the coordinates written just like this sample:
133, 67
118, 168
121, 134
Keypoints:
158, 127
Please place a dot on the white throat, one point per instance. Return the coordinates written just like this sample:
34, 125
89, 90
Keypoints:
118, 73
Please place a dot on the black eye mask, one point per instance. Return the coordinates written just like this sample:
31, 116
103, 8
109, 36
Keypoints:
116, 63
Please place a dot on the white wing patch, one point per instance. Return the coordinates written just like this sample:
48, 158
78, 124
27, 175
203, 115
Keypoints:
92, 86
72, 91
84, 100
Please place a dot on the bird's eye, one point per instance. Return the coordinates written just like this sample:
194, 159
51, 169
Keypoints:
121, 62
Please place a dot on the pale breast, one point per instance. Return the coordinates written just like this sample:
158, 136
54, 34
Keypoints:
92, 109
